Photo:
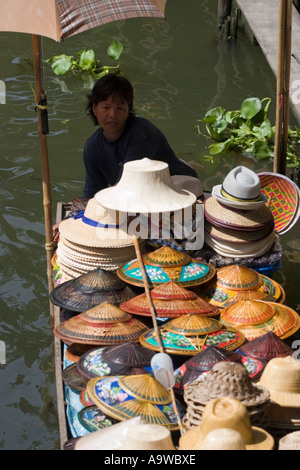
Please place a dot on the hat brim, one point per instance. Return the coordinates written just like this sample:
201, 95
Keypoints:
216, 192
193, 439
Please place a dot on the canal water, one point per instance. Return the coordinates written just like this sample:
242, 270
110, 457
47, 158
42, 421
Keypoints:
179, 69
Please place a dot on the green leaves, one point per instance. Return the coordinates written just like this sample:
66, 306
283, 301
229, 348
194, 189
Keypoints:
86, 62
247, 130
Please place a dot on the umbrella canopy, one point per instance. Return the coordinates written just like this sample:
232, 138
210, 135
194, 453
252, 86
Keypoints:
59, 19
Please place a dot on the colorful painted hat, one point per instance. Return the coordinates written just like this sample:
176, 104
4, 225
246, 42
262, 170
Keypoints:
284, 323
248, 312
283, 197
89, 290
124, 359
145, 187
128, 397
267, 347
93, 419
72, 377
234, 283
165, 264
182, 344
241, 188
169, 308
228, 413
92, 328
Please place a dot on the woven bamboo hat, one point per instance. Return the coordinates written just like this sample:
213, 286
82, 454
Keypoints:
167, 264
267, 346
105, 324
282, 378
148, 437
145, 187
97, 227
226, 412
241, 188
90, 289
248, 312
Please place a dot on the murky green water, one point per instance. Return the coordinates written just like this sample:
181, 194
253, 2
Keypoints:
179, 71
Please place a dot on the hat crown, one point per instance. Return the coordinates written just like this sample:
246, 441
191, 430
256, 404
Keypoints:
223, 439
226, 412
242, 183
282, 374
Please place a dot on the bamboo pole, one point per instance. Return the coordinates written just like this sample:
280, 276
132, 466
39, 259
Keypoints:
283, 84
153, 315
47, 203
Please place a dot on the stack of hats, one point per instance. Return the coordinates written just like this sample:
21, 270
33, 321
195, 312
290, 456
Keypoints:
255, 318
226, 425
93, 238
226, 379
197, 367
124, 397
282, 378
170, 300
105, 324
191, 333
234, 283
238, 224
89, 290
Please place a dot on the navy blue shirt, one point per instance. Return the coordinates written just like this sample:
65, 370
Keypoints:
104, 160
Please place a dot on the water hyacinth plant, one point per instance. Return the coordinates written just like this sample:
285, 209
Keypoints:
247, 130
86, 62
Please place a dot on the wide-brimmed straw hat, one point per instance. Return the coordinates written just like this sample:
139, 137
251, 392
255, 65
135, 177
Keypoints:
97, 227
148, 437
241, 188
226, 412
282, 378
145, 187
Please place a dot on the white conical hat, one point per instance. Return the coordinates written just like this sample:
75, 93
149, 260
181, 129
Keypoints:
145, 187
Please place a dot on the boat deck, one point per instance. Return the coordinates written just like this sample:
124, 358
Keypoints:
260, 18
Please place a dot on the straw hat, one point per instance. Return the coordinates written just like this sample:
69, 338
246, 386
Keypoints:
227, 379
148, 437
267, 346
282, 378
226, 412
248, 312
223, 439
97, 227
241, 188
189, 183
145, 187
290, 441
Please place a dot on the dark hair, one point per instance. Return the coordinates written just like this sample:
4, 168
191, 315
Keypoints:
110, 84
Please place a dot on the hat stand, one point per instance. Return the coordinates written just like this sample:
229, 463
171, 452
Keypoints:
153, 315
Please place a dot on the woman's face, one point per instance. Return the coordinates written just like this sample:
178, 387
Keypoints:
112, 115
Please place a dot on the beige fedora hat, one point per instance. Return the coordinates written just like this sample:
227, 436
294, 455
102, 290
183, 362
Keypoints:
148, 437
281, 377
145, 187
226, 412
241, 189
97, 227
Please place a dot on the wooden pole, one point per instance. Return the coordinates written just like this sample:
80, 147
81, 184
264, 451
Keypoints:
40, 96
283, 85
156, 329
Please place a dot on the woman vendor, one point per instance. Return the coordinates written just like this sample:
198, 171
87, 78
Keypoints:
121, 137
